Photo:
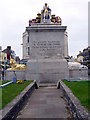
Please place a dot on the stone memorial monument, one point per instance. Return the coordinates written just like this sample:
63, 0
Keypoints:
45, 48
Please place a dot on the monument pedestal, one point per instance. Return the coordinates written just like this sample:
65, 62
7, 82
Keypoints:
48, 48
47, 70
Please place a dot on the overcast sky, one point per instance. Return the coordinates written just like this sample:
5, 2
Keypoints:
15, 14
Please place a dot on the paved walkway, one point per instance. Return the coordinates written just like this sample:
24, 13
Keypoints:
45, 102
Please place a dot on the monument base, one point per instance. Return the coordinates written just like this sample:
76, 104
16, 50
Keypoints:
47, 70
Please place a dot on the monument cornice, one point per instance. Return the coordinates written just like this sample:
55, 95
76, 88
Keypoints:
46, 27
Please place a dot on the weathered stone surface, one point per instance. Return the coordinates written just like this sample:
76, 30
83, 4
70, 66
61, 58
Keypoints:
11, 110
47, 40
47, 70
46, 102
20, 74
48, 47
78, 73
77, 110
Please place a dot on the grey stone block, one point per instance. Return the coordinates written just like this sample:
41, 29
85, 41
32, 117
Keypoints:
78, 73
20, 74
48, 70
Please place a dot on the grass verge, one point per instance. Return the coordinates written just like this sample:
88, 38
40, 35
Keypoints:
81, 90
10, 91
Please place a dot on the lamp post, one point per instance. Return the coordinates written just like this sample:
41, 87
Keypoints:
4, 67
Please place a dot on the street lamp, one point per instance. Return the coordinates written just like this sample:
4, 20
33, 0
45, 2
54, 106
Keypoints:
4, 67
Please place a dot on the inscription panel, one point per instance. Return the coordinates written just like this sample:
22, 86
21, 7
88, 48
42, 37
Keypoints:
46, 48
46, 44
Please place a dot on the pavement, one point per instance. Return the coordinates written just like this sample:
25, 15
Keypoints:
45, 102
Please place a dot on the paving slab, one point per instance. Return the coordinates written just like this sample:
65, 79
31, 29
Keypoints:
45, 102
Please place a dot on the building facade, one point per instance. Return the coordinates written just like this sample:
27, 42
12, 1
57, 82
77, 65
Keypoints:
85, 54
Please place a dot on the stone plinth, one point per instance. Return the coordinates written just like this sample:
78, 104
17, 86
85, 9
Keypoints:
47, 40
78, 73
47, 70
48, 47
20, 74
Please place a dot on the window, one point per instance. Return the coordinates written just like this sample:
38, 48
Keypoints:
28, 51
27, 38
